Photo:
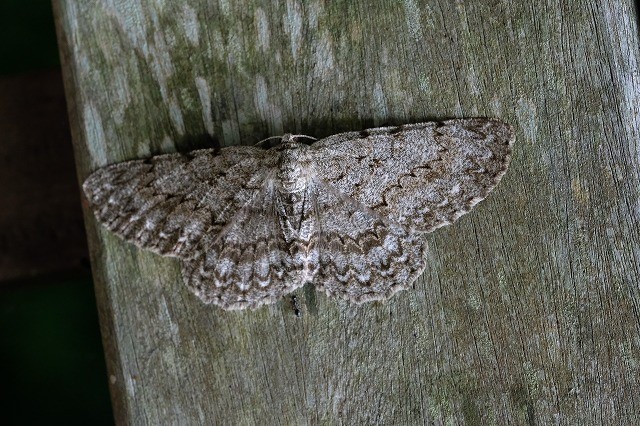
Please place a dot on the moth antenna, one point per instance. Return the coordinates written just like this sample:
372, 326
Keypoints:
267, 139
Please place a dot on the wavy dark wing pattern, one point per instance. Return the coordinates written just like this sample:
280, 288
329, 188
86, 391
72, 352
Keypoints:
363, 256
347, 213
423, 175
168, 202
249, 263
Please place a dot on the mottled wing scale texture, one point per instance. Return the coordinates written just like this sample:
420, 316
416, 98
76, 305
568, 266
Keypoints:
165, 203
363, 255
347, 213
250, 262
423, 175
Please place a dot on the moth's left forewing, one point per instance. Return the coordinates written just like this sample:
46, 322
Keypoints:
167, 203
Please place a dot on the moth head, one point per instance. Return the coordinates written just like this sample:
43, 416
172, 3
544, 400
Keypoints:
294, 166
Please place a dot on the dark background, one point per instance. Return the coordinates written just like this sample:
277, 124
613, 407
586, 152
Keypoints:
51, 361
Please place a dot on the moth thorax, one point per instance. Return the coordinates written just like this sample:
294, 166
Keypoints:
294, 168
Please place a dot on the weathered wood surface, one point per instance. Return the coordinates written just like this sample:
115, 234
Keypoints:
529, 310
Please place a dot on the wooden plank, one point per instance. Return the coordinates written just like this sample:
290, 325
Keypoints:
41, 227
528, 312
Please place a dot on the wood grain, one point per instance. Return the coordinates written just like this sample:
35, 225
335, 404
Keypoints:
528, 312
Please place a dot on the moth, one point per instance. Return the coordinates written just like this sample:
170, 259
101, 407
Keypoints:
347, 213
